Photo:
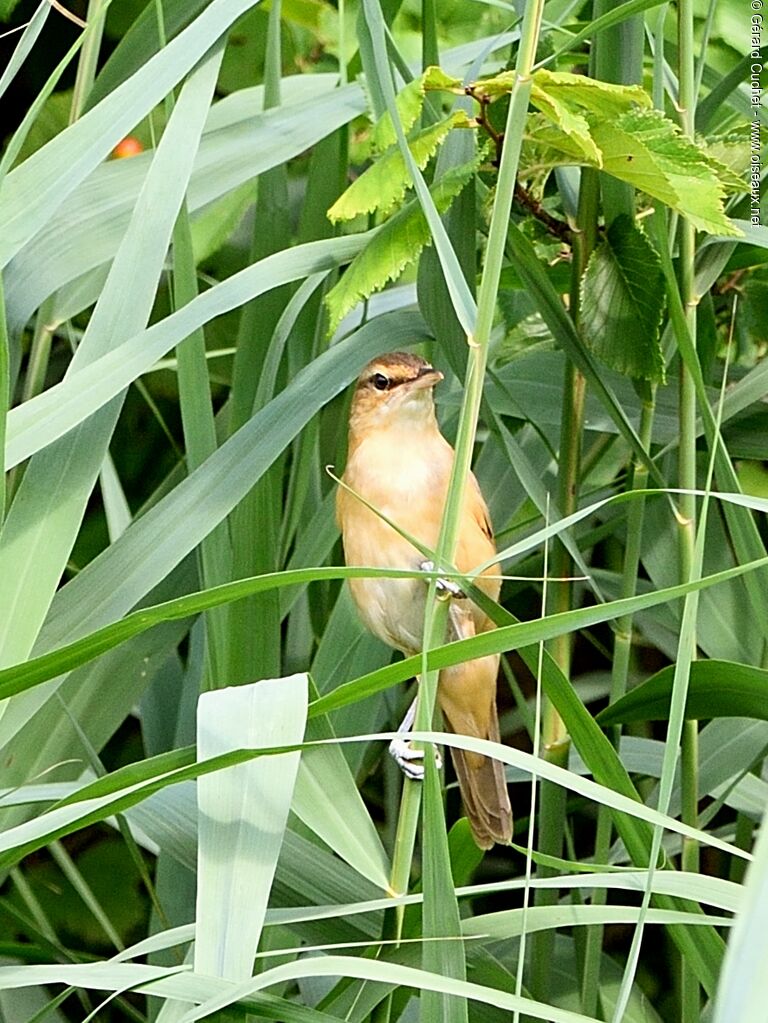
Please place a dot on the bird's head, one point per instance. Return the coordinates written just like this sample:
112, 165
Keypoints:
394, 390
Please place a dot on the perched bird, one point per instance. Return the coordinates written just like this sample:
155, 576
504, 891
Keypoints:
400, 463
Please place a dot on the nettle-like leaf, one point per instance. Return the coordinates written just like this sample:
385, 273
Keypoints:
622, 301
435, 79
396, 245
728, 156
383, 185
409, 103
566, 99
603, 98
647, 150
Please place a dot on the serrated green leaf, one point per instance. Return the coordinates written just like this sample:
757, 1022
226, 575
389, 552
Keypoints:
558, 110
603, 98
566, 98
646, 149
383, 185
434, 78
409, 102
494, 88
396, 245
729, 157
622, 300
716, 689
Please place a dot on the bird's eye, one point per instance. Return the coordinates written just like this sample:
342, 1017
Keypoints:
380, 382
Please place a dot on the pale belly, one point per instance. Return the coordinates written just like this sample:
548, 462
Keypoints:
392, 609
410, 491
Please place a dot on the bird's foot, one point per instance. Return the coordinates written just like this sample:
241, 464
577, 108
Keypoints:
446, 588
411, 760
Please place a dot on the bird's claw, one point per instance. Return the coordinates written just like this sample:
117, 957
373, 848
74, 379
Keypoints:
446, 588
411, 760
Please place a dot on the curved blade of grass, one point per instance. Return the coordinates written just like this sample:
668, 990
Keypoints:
607, 20
519, 635
180, 984
402, 976
239, 143
25, 675
30, 194
242, 816
24, 46
713, 891
59, 482
716, 689
463, 300
40, 421
130, 785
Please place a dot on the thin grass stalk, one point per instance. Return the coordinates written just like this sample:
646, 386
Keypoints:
519, 973
89, 57
199, 429
436, 618
617, 56
70, 870
342, 13
685, 656
622, 652
39, 352
197, 419
89, 45
429, 50
5, 390
555, 740
255, 523
690, 993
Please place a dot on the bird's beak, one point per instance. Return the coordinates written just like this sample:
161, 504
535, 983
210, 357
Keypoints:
427, 377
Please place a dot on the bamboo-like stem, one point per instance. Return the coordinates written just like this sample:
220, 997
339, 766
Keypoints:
40, 350
555, 739
622, 651
437, 612
89, 56
5, 392
617, 56
690, 1002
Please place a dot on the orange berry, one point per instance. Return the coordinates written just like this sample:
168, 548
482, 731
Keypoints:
129, 146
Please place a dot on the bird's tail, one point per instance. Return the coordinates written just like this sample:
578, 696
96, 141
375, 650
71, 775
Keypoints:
484, 792
467, 696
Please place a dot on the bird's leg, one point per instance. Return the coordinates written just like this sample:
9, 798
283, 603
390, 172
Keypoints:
408, 759
445, 587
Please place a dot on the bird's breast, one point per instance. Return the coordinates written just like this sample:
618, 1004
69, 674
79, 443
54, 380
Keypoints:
407, 485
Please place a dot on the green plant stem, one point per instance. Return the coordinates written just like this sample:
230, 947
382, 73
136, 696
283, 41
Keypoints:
690, 1002
437, 612
40, 350
555, 740
89, 56
255, 523
5, 391
617, 56
622, 651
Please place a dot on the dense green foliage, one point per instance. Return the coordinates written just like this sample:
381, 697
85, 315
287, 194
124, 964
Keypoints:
555, 205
